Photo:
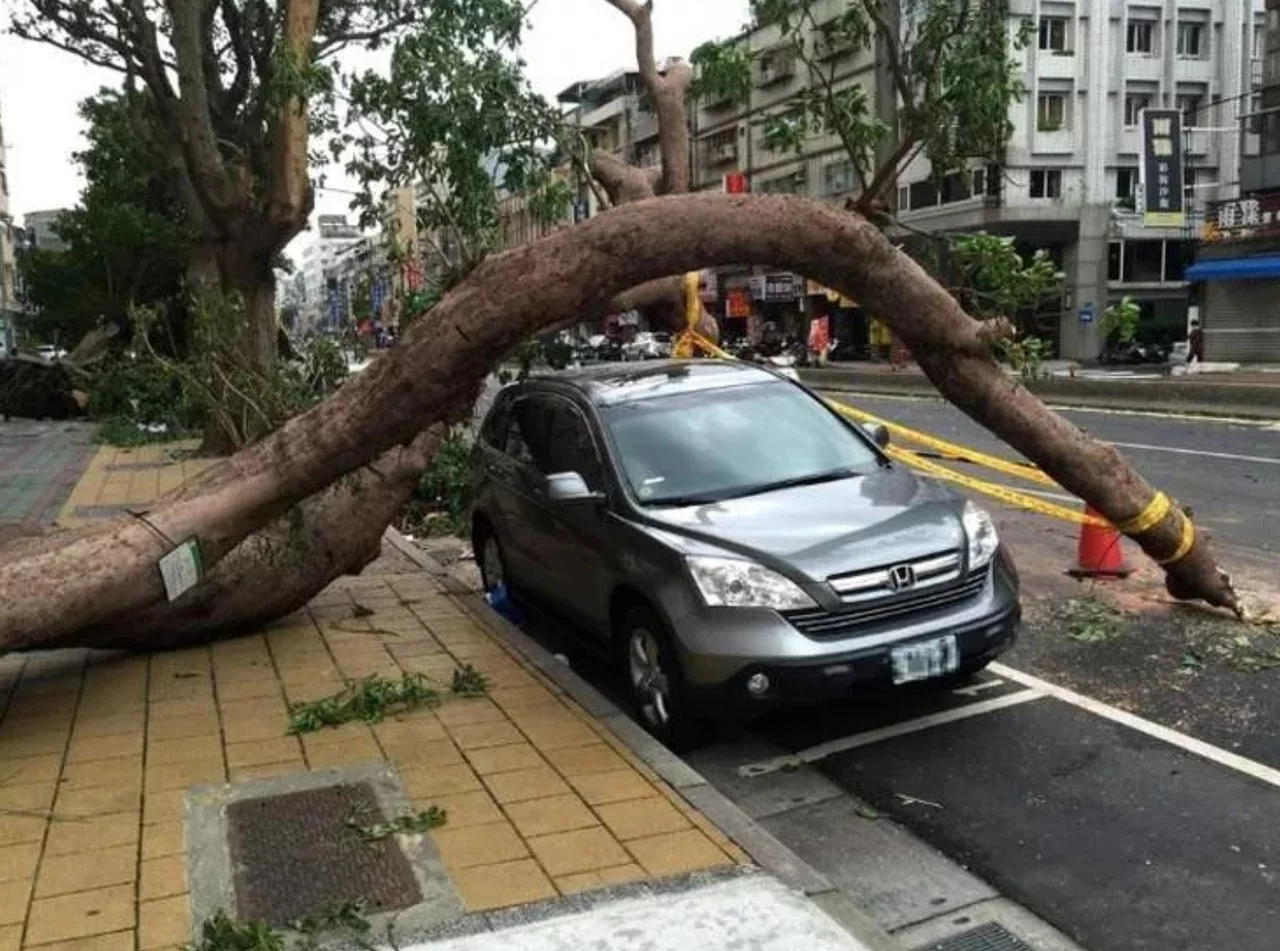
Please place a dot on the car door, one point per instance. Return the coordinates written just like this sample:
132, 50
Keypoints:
570, 534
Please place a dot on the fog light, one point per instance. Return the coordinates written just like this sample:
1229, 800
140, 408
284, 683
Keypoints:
757, 685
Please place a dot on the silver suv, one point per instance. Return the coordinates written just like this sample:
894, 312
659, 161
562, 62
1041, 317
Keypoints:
731, 539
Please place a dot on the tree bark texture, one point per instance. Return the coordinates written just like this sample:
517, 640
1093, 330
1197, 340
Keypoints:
280, 567
101, 574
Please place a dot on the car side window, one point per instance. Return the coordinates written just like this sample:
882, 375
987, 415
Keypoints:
572, 448
552, 436
494, 431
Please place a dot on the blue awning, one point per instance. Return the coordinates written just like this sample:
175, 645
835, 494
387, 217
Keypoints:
1236, 269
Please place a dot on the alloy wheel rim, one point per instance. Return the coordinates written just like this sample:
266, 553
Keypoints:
648, 679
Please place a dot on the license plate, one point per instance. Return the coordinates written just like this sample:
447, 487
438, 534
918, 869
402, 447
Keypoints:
924, 659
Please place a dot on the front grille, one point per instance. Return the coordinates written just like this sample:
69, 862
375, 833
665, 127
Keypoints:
942, 586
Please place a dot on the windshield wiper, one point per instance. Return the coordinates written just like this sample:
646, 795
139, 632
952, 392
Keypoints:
679, 501
815, 478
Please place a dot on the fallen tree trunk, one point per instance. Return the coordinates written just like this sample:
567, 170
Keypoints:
104, 573
276, 569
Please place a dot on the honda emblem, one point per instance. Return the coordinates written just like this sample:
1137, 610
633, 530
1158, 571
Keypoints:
902, 577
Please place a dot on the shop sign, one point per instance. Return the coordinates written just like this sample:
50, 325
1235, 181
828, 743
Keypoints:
775, 287
735, 183
1240, 219
1161, 169
737, 302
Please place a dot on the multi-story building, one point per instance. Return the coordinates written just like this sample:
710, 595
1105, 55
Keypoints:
1068, 181
335, 234
41, 228
730, 153
1237, 271
8, 267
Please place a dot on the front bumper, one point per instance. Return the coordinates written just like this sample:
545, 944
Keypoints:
721, 648
840, 675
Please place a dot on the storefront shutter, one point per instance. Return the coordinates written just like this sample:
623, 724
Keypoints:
1241, 321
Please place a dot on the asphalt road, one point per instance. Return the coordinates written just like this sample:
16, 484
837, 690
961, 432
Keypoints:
1228, 472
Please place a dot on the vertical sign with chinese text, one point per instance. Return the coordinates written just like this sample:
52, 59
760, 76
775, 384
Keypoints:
1161, 170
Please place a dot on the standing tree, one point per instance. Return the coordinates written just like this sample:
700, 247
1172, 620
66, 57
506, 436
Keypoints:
125, 243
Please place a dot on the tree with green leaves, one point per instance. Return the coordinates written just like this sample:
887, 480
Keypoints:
947, 63
126, 242
279, 519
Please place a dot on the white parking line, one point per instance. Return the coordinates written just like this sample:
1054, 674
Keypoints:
1205, 750
1269, 460
815, 753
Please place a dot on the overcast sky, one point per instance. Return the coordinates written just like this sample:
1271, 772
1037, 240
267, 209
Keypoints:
568, 40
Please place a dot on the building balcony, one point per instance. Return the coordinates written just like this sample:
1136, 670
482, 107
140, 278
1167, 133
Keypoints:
1150, 68
1056, 65
722, 153
644, 125
1052, 140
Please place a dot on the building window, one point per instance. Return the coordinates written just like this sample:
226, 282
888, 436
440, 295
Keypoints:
1046, 183
837, 177
1126, 184
1053, 34
1134, 103
1191, 40
979, 181
1140, 37
1051, 111
1190, 107
1143, 262
904, 197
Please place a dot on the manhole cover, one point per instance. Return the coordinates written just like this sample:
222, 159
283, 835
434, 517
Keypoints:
294, 854
988, 937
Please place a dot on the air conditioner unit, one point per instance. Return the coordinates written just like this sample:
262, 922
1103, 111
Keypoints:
777, 69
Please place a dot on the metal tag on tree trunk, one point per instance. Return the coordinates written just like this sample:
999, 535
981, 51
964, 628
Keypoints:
181, 569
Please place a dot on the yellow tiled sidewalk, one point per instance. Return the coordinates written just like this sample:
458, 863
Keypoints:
97, 752
129, 476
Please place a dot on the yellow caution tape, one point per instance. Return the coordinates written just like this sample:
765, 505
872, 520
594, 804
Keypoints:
1001, 492
1184, 544
960, 453
1148, 518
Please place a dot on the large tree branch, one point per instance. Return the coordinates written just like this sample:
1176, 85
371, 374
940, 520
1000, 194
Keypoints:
110, 569
291, 196
668, 93
194, 108
621, 182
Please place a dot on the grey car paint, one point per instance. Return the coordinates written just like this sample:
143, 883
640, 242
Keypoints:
584, 555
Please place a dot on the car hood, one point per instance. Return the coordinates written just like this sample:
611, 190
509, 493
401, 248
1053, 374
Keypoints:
825, 529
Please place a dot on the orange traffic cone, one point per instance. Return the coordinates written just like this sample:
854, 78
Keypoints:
1099, 554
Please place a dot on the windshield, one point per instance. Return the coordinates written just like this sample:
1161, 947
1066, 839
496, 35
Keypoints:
713, 445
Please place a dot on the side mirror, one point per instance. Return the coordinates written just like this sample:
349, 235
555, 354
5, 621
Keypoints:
569, 487
878, 432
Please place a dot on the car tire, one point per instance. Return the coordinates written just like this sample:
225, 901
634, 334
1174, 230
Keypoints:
655, 680
490, 559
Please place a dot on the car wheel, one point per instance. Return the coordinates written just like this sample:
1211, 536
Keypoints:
493, 565
655, 681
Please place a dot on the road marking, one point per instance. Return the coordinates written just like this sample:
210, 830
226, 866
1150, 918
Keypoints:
1199, 452
974, 689
1189, 743
815, 753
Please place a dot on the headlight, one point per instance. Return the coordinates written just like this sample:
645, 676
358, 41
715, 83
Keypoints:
981, 532
736, 583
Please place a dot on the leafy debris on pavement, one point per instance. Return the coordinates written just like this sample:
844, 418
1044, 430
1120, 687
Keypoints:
430, 818
469, 682
1091, 620
221, 932
368, 700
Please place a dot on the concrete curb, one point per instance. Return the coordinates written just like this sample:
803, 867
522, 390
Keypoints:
760, 844
1238, 400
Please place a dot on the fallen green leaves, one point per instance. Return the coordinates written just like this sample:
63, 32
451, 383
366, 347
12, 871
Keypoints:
1091, 620
430, 818
345, 919
375, 697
